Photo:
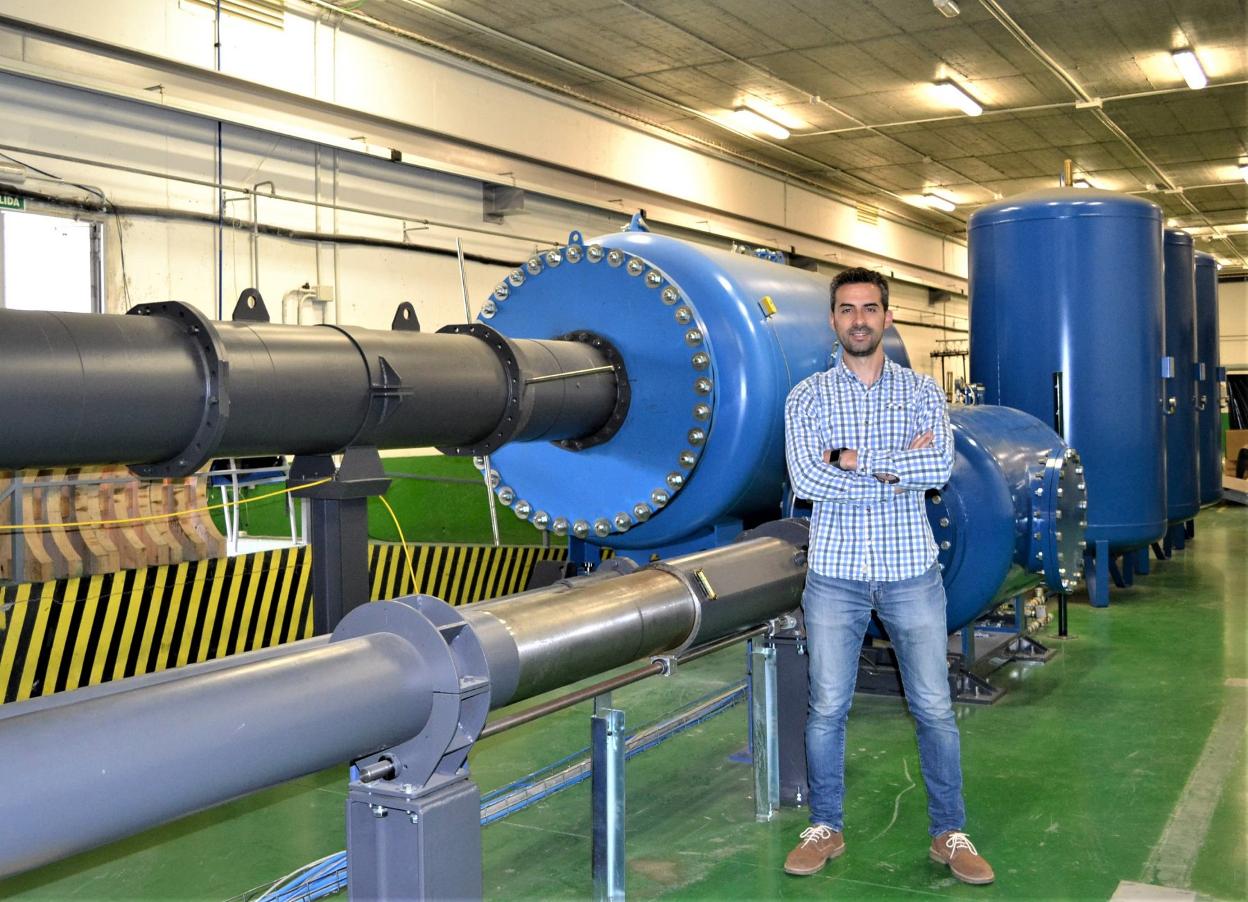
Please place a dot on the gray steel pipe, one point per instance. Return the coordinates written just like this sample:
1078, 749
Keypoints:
549, 637
88, 767
84, 773
171, 389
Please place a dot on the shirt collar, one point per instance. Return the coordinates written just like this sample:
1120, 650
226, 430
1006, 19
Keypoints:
843, 372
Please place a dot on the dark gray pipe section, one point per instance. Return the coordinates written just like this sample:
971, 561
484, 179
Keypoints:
549, 637
82, 774
175, 389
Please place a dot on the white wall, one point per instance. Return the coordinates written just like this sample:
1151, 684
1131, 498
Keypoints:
1233, 325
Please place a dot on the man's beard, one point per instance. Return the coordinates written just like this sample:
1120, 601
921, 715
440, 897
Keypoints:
865, 352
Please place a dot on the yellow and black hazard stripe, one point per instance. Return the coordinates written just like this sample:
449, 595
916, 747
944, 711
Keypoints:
69, 633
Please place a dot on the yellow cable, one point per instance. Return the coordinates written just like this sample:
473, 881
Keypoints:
407, 555
30, 527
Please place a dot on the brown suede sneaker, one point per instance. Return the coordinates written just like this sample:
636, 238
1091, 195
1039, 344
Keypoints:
819, 845
955, 849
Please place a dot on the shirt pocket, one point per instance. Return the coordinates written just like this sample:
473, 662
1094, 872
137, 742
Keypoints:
899, 425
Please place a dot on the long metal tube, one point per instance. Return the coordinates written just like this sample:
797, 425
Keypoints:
81, 774
175, 389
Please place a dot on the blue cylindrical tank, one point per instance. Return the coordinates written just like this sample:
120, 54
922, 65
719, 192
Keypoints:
1208, 403
712, 342
1066, 321
1182, 398
1013, 514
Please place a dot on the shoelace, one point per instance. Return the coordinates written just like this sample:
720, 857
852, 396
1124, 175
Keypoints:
818, 833
959, 841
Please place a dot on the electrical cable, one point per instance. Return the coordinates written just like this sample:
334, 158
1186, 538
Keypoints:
407, 553
31, 527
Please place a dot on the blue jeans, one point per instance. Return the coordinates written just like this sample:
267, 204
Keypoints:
913, 610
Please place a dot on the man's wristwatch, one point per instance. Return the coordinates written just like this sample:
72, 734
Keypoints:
834, 456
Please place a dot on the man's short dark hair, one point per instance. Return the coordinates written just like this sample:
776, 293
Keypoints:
860, 275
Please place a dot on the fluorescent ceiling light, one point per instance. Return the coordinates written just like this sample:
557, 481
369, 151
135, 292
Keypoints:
947, 8
952, 94
779, 115
1190, 69
756, 122
939, 202
1243, 171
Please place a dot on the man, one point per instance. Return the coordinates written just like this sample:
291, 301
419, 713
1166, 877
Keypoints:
864, 441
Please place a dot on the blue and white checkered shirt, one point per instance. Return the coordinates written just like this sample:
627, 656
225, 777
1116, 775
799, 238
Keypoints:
862, 528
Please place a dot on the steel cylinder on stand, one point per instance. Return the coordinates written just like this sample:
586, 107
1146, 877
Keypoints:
1209, 374
1066, 324
1182, 423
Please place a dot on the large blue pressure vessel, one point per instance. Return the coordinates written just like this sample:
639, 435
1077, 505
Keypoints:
1208, 404
711, 342
1066, 324
1182, 395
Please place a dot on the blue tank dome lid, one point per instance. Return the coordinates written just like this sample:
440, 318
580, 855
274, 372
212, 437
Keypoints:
1179, 237
1064, 203
1203, 259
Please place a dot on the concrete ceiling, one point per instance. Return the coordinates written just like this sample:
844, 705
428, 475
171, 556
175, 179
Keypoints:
1058, 79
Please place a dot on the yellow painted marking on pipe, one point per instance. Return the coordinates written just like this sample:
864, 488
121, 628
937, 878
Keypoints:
249, 566
272, 564
193, 608
149, 626
43, 610
231, 604
128, 628
210, 615
176, 592
111, 609
90, 605
61, 637
13, 635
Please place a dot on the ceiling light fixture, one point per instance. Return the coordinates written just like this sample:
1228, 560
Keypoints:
939, 202
753, 121
1243, 171
946, 8
1189, 67
953, 94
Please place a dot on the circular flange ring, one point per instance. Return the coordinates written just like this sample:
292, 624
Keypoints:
510, 423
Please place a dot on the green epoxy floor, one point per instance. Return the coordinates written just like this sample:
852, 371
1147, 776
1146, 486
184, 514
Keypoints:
1071, 779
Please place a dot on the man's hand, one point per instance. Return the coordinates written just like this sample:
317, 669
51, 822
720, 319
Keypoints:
922, 440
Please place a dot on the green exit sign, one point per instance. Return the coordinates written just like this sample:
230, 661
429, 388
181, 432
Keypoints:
12, 202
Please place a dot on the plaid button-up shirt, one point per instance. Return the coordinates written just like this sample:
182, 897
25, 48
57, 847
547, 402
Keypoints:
862, 528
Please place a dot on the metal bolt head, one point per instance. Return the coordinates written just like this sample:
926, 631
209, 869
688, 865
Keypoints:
702, 412
572, 253
675, 480
1040, 492
523, 509
506, 495
700, 360
479, 462
580, 529
553, 258
702, 386
696, 437
494, 479
1079, 471
1082, 486
516, 278
593, 253
622, 521
936, 499
1058, 535
560, 526
1069, 453
687, 459
615, 257
1036, 536
1039, 555
413, 817
1057, 514
378, 810
944, 546
488, 309
1082, 505
635, 267
684, 315
541, 519
660, 497
693, 337
602, 527
534, 266
654, 279
944, 521
1060, 491
670, 295
501, 291
641, 511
